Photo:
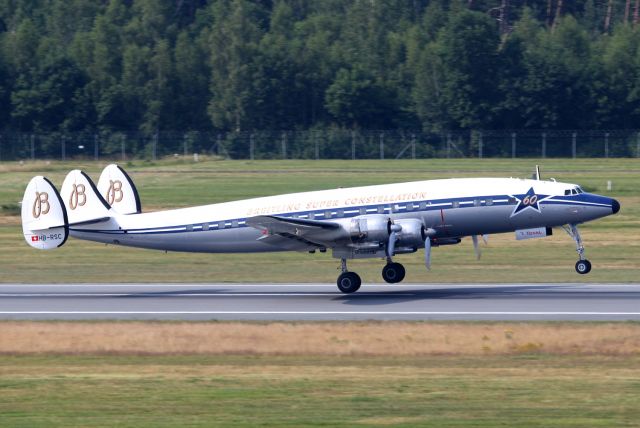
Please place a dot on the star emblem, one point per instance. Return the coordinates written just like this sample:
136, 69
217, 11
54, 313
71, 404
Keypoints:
529, 200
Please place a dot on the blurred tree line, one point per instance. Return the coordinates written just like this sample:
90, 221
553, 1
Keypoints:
241, 65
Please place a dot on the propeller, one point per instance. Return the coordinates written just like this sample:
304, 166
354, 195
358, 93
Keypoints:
391, 245
393, 237
427, 233
476, 247
427, 252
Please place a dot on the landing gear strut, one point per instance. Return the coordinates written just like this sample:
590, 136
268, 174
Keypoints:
583, 266
348, 282
393, 272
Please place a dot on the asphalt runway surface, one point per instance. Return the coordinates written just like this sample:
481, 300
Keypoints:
586, 302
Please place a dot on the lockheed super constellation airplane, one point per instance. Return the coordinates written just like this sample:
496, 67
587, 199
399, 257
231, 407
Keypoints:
361, 222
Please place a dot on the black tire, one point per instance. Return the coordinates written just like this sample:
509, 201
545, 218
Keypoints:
393, 273
583, 267
349, 282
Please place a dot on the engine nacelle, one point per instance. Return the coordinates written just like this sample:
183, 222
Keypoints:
411, 233
369, 228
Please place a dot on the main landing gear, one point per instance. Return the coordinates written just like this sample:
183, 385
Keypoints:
348, 282
583, 266
393, 272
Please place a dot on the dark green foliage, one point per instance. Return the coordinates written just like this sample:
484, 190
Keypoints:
244, 65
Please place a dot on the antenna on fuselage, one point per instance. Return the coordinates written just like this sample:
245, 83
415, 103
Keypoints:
536, 173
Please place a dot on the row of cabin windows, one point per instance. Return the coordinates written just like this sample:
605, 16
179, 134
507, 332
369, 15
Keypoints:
340, 213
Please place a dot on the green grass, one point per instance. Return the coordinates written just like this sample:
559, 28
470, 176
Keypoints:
612, 243
524, 391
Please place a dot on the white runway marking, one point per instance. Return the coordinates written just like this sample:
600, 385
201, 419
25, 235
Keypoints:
164, 294
326, 285
309, 313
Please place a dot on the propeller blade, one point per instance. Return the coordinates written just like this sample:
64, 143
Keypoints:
485, 238
427, 253
476, 247
391, 246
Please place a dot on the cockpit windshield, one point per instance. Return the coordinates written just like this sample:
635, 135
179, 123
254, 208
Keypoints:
574, 191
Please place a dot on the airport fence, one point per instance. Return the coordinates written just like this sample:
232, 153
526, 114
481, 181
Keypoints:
321, 144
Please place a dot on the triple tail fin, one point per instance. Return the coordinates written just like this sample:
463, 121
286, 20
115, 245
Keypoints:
118, 190
83, 202
44, 218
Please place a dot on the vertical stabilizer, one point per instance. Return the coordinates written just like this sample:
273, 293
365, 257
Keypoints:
117, 188
82, 200
44, 218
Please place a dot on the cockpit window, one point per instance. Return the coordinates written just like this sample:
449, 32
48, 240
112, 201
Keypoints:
567, 192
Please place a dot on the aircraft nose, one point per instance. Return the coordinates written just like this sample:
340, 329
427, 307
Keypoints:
615, 206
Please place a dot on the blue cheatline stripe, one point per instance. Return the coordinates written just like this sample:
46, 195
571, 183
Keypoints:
353, 211
581, 203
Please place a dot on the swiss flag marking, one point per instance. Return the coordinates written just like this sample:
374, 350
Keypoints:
34, 238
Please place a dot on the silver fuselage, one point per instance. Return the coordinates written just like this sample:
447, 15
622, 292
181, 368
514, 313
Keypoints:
453, 208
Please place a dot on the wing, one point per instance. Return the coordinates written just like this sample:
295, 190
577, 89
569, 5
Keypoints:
293, 233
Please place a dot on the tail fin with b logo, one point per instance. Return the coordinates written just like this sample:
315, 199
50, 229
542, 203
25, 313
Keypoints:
44, 218
118, 190
83, 202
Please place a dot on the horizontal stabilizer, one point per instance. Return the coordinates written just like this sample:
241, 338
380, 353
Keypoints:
117, 188
44, 218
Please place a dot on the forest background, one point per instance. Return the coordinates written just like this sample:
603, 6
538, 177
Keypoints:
150, 66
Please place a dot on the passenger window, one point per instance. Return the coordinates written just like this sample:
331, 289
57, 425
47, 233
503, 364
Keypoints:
455, 204
380, 209
327, 214
234, 223
311, 216
476, 203
512, 201
221, 225
205, 226
410, 206
340, 213
363, 211
423, 205
489, 202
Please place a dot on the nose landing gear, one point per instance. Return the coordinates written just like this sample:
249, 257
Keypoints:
583, 266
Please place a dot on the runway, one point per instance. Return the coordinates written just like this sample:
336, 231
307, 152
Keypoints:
584, 302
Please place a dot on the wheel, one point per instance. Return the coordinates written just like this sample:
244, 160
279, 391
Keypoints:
583, 267
393, 273
349, 282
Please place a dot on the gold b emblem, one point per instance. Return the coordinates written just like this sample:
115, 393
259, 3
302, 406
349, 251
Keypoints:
78, 196
114, 193
40, 204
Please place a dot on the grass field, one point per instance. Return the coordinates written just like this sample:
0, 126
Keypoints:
138, 391
612, 243
319, 374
